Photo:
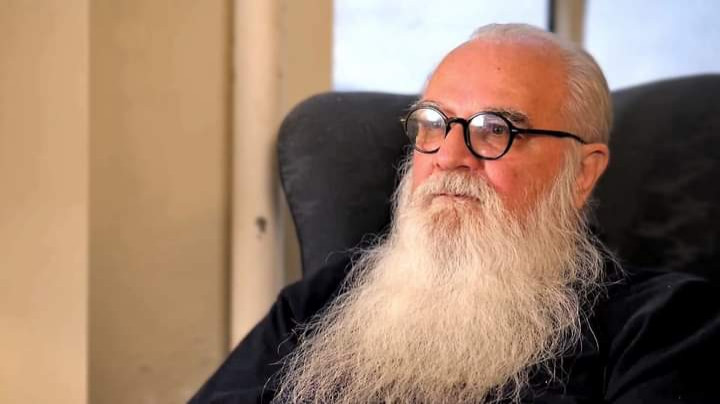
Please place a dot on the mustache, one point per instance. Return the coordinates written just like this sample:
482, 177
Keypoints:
454, 183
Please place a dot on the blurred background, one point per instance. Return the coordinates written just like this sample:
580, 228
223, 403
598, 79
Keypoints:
142, 226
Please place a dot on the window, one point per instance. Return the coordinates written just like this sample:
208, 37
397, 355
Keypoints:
393, 46
645, 40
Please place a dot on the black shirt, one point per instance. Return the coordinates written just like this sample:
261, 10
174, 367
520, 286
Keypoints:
654, 339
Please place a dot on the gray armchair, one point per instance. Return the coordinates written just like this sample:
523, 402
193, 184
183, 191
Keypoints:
658, 204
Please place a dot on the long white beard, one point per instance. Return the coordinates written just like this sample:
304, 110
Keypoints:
458, 304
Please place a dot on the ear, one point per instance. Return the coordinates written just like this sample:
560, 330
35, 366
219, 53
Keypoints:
594, 159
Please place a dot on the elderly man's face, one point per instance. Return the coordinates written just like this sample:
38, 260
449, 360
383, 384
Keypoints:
482, 76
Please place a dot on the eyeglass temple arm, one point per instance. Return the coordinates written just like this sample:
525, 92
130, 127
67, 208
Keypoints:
554, 133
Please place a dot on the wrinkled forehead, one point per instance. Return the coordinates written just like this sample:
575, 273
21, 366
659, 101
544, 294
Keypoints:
527, 76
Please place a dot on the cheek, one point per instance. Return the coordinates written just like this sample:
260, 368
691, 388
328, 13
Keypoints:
508, 182
519, 186
522, 175
421, 169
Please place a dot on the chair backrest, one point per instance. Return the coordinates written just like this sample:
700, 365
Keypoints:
657, 205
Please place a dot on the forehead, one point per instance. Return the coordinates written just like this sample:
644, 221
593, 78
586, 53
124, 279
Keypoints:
481, 75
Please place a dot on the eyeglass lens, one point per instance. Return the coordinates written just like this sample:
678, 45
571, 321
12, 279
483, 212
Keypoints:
489, 135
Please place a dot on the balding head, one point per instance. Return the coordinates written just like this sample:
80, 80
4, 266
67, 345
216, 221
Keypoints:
588, 105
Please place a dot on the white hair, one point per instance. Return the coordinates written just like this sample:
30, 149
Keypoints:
588, 108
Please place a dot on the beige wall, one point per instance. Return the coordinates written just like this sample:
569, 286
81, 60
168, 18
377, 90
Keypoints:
282, 54
120, 184
159, 197
43, 201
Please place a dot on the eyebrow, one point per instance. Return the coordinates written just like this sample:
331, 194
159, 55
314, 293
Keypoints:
513, 115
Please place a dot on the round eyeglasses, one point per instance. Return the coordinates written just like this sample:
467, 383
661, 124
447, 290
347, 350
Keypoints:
488, 135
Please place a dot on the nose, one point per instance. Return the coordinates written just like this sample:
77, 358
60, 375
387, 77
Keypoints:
454, 154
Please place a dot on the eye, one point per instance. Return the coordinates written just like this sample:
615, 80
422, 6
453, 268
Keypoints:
437, 123
497, 129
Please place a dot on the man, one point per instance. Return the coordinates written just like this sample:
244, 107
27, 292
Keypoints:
489, 286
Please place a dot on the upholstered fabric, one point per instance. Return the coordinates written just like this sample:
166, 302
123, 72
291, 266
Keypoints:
338, 155
657, 204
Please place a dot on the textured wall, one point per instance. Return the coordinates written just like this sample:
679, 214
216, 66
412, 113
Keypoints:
159, 91
43, 201
117, 187
282, 54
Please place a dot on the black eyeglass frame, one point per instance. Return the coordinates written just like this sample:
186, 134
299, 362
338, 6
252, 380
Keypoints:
514, 131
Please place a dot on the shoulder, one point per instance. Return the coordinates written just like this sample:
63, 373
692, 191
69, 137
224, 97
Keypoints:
644, 280
308, 296
246, 374
647, 296
661, 326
